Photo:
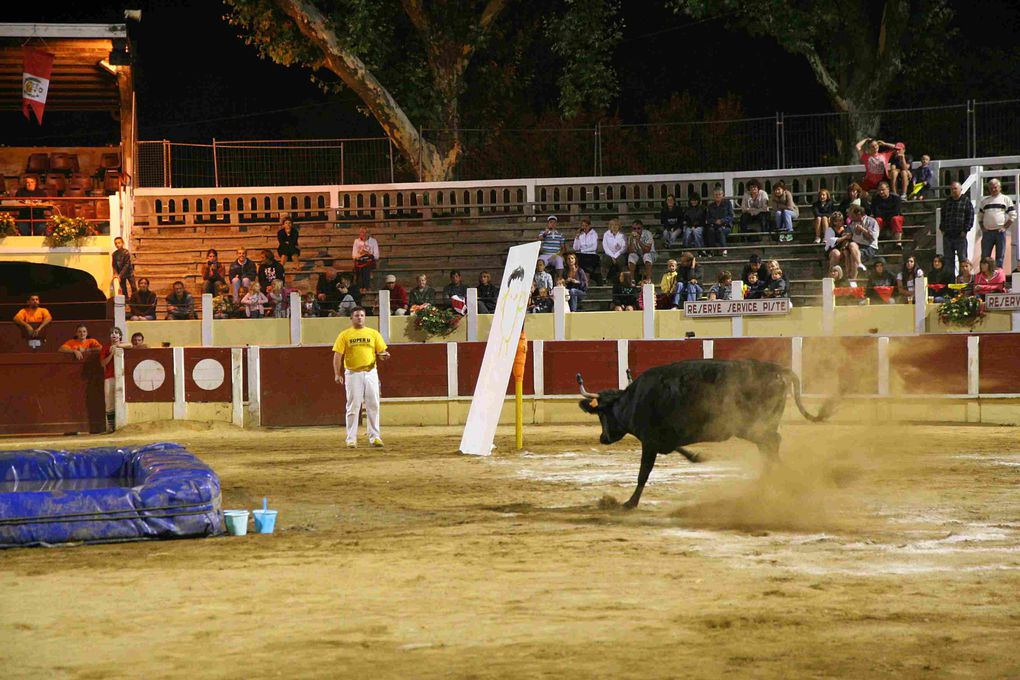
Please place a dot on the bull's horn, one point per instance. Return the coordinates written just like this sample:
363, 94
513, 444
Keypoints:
584, 393
630, 377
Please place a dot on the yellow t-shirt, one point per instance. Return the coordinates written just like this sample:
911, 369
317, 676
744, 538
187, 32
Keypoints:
359, 347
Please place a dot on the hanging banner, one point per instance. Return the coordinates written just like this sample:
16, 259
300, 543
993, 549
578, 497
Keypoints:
35, 82
738, 307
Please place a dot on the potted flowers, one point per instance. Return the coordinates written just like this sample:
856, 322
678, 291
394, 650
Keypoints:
7, 225
62, 230
963, 311
432, 320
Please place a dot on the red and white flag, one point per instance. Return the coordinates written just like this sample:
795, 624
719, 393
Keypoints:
35, 82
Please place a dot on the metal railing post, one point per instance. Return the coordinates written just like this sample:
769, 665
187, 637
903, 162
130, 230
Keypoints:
342, 159
215, 165
392, 175
168, 179
779, 143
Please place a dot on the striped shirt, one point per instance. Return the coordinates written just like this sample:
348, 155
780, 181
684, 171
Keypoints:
552, 242
996, 212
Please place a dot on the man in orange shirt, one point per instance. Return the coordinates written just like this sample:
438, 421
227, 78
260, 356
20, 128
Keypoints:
81, 343
33, 319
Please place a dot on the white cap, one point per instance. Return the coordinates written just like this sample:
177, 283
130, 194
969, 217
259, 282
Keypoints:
551, 218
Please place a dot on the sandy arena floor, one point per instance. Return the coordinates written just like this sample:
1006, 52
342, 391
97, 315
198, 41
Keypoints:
870, 554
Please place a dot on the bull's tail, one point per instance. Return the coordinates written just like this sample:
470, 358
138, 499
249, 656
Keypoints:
827, 408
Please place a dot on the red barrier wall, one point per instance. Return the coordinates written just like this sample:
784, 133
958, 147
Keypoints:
58, 332
848, 365
645, 354
999, 363
469, 362
195, 393
48, 393
414, 370
298, 387
777, 350
928, 364
164, 391
595, 360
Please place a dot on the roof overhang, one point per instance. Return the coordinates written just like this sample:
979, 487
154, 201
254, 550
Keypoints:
79, 31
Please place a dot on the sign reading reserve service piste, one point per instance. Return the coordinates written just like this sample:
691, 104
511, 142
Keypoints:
737, 307
1005, 302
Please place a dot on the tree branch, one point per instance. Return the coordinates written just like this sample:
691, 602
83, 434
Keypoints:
489, 15
822, 74
416, 13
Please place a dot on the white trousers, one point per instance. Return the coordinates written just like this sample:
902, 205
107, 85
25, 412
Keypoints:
362, 388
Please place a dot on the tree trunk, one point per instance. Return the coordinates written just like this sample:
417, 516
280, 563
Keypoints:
860, 123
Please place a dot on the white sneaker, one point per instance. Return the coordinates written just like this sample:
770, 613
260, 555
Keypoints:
352, 445
862, 268
817, 240
725, 253
376, 442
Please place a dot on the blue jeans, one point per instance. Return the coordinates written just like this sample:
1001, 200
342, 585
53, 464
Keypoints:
576, 295
954, 247
716, 235
994, 240
693, 237
784, 221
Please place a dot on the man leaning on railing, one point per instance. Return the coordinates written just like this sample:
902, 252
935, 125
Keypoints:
33, 320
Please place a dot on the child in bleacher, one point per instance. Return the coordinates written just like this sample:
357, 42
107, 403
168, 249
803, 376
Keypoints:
540, 303
542, 277
223, 302
625, 293
755, 289
723, 289
254, 302
309, 305
278, 299
776, 288
922, 177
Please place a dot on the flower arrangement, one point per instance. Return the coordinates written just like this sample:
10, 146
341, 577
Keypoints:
62, 230
434, 320
7, 225
962, 311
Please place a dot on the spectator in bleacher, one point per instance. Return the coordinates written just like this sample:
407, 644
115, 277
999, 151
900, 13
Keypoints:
754, 211
687, 270
863, 246
771, 266
719, 215
326, 293
753, 265
688, 291
614, 251
625, 293
123, 268
348, 297
142, 305
875, 155
997, 214
180, 304
254, 302
309, 305
242, 272
989, 279
551, 251
957, 221
138, 341
33, 319
880, 278
671, 219
823, 208
640, 248
81, 344
755, 288
366, 258
966, 278
695, 219
422, 294
905, 278
939, 280
855, 195
540, 302
921, 179
576, 280
398, 297
723, 288
287, 239
840, 282
837, 238
667, 287
784, 210
270, 269
561, 285
542, 278
777, 287
212, 272
31, 214
222, 303
586, 246
455, 289
278, 302
899, 171
887, 209
488, 293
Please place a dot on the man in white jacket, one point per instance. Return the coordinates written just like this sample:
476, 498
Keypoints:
586, 247
614, 251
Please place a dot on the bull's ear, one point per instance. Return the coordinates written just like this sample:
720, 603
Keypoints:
589, 405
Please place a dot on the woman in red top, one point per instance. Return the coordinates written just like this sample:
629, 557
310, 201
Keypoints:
106, 361
989, 279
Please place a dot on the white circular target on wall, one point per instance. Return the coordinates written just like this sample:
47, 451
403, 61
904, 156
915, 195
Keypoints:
149, 375
208, 374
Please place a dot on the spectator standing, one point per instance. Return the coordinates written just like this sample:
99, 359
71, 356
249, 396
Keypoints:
905, 278
33, 319
212, 272
920, 186
31, 214
625, 293
863, 246
823, 208
939, 280
455, 292
837, 240
398, 296
123, 268
671, 219
542, 278
880, 278
723, 288
957, 221
855, 196
997, 213
551, 251
875, 155
365, 253
719, 215
576, 280
142, 305
784, 211
887, 209
614, 251
422, 294
754, 211
180, 304
695, 219
287, 239
640, 248
270, 269
753, 265
242, 272
355, 353
586, 246
106, 361
488, 293
989, 279
254, 302
81, 344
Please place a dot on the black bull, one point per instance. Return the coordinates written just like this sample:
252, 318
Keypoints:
669, 407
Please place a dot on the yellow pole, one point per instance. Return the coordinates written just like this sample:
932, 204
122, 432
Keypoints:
519, 361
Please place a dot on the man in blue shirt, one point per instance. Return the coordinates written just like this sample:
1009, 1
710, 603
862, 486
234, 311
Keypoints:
551, 251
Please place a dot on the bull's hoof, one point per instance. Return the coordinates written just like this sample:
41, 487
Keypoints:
689, 455
629, 505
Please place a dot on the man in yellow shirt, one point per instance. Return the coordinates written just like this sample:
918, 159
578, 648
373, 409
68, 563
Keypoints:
354, 357
33, 320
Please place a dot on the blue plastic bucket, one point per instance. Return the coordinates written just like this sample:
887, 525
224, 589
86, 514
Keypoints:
265, 521
237, 522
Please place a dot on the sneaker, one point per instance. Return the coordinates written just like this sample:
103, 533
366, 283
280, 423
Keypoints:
862, 268
352, 445
725, 253
817, 240
898, 246
376, 442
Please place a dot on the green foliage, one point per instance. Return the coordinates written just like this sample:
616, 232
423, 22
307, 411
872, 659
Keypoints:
962, 311
432, 320
8, 227
585, 37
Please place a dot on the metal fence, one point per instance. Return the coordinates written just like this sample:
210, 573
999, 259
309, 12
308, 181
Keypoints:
969, 130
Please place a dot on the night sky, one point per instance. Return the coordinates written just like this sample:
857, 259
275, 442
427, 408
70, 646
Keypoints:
197, 80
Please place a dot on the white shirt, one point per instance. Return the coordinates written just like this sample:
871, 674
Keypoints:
614, 245
586, 243
996, 212
369, 247
872, 228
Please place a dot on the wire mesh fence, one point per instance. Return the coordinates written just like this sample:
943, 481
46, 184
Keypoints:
782, 141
